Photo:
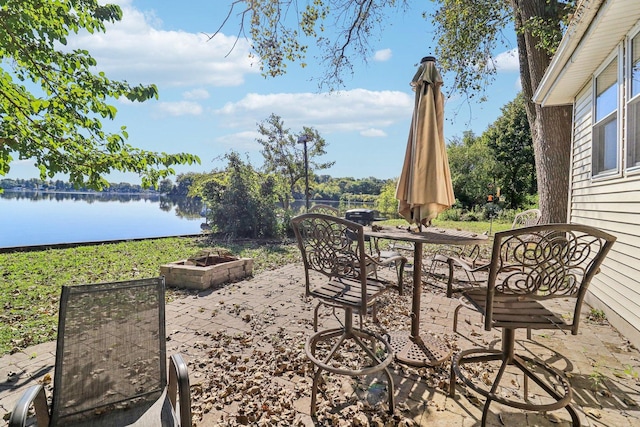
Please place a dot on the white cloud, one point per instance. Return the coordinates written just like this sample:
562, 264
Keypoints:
357, 110
241, 141
382, 55
196, 94
180, 108
373, 133
137, 50
507, 61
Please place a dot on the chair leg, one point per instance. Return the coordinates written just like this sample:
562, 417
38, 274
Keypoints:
494, 387
400, 274
452, 380
340, 335
450, 279
314, 390
523, 364
315, 317
455, 315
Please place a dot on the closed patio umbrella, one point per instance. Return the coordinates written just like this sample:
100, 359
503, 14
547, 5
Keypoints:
424, 188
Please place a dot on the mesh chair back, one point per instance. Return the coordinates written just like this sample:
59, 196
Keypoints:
546, 261
111, 349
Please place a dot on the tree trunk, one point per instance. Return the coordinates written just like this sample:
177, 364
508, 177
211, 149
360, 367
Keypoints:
550, 126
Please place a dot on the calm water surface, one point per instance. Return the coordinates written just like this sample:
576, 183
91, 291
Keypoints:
48, 218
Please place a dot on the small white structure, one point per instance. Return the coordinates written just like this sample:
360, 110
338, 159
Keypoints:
597, 70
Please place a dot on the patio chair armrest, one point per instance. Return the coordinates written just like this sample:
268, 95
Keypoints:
467, 265
179, 383
390, 259
33, 395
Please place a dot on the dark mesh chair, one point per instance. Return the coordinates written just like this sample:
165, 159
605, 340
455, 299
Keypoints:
111, 366
333, 253
531, 269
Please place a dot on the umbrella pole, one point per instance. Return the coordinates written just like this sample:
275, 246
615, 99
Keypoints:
417, 291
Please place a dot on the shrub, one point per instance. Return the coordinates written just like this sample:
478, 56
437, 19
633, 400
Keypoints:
453, 214
470, 217
241, 202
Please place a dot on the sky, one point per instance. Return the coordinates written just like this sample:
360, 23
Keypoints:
212, 95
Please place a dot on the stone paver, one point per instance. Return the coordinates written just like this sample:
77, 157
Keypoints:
603, 368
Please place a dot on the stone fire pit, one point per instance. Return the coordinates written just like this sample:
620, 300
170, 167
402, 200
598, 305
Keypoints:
206, 270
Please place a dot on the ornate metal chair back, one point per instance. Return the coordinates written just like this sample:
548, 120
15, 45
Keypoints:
546, 261
331, 246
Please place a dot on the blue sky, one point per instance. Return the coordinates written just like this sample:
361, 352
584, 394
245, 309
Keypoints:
211, 100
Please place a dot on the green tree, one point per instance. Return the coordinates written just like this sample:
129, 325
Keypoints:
284, 156
52, 104
183, 184
472, 168
241, 202
466, 34
387, 203
166, 186
509, 138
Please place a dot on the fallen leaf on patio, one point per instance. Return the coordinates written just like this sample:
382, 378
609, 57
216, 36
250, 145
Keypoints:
593, 413
605, 393
553, 418
473, 399
486, 379
46, 379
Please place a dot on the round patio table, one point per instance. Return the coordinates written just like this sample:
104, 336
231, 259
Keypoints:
412, 348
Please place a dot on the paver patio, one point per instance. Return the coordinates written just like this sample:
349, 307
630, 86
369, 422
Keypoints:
244, 343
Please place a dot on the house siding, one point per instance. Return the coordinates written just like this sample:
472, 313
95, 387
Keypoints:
612, 205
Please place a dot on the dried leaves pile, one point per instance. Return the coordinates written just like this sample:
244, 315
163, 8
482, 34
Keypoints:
264, 377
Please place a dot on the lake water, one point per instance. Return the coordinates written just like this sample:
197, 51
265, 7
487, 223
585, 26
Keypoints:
28, 219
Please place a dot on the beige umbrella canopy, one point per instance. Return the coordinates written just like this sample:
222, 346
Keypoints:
424, 188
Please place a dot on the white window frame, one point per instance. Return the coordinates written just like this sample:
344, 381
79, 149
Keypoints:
630, 168
617, 56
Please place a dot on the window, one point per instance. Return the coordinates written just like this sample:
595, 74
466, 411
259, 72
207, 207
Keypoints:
633, 108
605, 130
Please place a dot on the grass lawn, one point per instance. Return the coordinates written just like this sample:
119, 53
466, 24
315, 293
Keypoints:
30, 282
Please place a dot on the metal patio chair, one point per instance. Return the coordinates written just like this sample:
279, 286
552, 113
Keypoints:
111, 366
376, 259
529, 268
333, 252
469, 260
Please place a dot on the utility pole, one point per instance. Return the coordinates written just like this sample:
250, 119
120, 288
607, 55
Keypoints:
303, 139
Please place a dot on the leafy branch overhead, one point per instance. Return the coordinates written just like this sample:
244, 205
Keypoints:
280, 32
52, 103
